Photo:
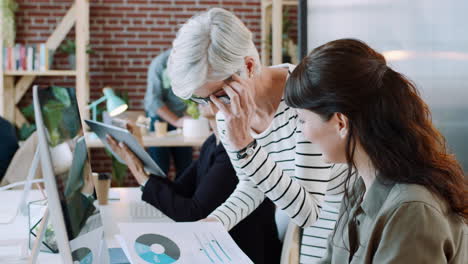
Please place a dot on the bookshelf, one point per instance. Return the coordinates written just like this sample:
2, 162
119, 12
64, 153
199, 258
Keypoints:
41, 73
272, 10
15, 84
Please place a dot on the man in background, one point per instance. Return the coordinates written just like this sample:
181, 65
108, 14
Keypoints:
162, 105
8, 145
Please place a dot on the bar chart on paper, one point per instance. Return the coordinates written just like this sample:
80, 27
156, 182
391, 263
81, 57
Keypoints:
167, 243
214, 250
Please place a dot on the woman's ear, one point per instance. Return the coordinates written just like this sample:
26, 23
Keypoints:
250, 65
342, 124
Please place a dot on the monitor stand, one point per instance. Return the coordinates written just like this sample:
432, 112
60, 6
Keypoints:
22, 209
37, 243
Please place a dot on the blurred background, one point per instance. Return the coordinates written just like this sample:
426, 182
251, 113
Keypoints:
427, 40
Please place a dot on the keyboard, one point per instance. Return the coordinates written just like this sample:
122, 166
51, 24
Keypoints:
140, 209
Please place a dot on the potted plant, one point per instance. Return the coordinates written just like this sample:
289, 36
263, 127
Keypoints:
195, 126
69, 48
60, 126
8, 9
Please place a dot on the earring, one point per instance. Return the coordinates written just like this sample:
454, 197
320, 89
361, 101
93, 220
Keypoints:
343, 133
250, 75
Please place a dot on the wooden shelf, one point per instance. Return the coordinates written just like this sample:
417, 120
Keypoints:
272, 22
15, 84
41, 73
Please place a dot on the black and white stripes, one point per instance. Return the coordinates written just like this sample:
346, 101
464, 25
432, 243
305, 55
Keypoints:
286, 168
290, 174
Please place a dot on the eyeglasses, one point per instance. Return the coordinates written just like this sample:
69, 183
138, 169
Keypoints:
206, 100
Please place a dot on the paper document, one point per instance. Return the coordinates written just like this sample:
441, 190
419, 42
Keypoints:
180, 243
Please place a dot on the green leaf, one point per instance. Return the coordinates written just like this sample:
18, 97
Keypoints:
28, 112
119, 170
62, 95
25, 131
52, 114
54, 137
192, 109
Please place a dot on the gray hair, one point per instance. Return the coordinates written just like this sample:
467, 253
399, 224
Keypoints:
210, 46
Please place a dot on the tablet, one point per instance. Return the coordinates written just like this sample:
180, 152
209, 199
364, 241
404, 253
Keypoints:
123, 135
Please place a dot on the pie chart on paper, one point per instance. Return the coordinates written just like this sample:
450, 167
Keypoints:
82, 256
145, 242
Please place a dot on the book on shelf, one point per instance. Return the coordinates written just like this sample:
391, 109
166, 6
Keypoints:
35, 57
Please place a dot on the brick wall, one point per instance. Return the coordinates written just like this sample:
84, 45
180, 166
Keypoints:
125, 35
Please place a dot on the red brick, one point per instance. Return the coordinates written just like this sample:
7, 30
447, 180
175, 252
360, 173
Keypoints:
234, 3
187, 16
126, 49
171, 9
137, 29
185, 2
209, 2
113, 28
149, 36
137, 1
161, 42
125, 36
114, 42
124, 8
196, 9
160, 15
137, 42
149, 50
38, 14
152, 9
136, 15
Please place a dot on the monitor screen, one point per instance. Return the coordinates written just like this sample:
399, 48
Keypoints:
69, 156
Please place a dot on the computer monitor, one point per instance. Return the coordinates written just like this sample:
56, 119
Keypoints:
67, 175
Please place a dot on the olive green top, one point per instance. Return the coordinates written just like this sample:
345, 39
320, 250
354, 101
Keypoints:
397, 223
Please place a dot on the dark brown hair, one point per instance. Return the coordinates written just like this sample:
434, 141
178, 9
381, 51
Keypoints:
386, 116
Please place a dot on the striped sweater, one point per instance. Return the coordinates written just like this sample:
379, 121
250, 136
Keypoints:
289, 170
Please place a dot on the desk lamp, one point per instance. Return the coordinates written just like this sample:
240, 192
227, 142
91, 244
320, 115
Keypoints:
115, 105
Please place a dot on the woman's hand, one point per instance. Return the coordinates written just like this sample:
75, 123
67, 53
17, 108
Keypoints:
133, 162
88, 186
209, 219
238, 114
135, 130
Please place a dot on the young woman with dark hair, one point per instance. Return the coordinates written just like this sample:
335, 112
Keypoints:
409, 202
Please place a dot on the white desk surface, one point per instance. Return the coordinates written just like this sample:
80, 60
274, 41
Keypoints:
110, 213
150, 140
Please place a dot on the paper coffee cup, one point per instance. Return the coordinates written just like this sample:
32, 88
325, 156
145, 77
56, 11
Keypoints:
161, 128
102, 184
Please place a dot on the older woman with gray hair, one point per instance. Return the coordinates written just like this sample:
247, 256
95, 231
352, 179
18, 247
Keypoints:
214, 61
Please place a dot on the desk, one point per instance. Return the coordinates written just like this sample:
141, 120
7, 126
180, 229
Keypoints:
113, 213
150, 140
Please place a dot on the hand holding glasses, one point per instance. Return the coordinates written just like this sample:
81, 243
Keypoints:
237, 112
223, 98
206, 100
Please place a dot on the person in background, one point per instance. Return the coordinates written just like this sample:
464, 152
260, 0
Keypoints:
410, 202
8, 145
201, 188
161, 104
